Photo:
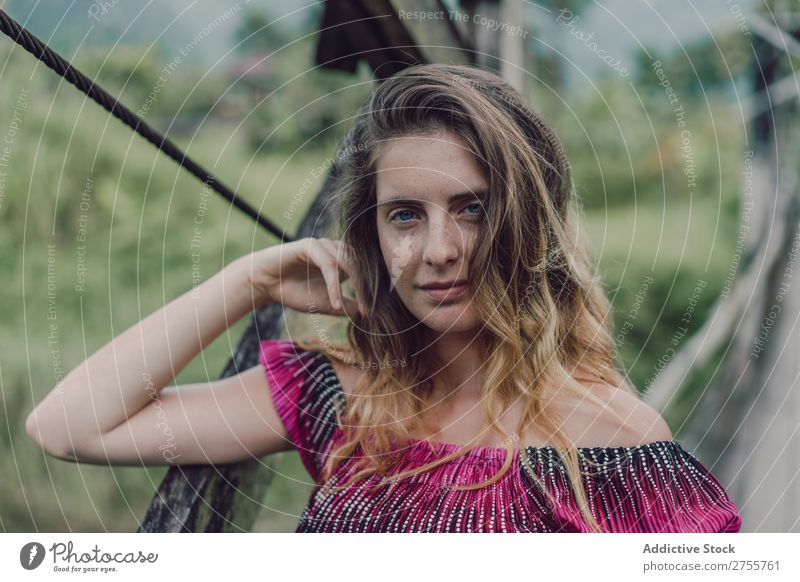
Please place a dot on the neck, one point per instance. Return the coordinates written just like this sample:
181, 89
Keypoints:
461, 358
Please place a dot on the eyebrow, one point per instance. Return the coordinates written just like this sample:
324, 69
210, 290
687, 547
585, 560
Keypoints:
402, 199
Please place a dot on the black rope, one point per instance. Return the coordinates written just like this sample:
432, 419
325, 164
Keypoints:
44, 53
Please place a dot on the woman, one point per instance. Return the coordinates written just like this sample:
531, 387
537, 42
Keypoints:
478, 390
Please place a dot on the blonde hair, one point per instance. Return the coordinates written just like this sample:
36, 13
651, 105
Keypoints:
543, 311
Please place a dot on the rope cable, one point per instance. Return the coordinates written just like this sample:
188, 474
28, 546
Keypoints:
62, 67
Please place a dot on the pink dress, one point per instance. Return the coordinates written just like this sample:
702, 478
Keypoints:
655, 487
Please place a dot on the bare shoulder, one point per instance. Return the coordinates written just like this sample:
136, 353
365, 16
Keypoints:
640, 423
648, 424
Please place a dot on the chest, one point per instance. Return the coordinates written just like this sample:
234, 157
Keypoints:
465, 421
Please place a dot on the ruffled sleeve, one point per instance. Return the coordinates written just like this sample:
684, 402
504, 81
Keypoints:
661, 487
306, 395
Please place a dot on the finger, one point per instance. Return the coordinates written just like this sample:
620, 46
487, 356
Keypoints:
346, 253
337, 248
352, 307
345, 264
344, 257
341, 272
326, 262
342, 261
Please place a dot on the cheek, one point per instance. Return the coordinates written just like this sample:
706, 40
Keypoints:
401, 256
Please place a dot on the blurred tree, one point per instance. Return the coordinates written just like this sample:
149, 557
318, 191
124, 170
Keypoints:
261, 34
711, 65
546, 45
287, 99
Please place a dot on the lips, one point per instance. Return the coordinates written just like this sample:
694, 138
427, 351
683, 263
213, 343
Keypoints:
449, 293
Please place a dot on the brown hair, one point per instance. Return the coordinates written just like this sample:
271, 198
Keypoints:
542, 308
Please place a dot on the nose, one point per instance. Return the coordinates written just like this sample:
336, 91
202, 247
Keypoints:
443, 243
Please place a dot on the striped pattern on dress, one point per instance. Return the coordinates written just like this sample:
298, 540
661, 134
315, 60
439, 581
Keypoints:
654, 487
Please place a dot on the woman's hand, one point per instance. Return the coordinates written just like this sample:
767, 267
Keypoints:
305, 275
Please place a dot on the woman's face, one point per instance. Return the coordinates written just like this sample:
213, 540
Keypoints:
429, 214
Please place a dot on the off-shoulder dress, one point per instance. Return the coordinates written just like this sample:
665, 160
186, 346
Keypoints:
654, 487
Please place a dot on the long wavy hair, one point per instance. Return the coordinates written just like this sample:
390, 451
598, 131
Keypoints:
542, 310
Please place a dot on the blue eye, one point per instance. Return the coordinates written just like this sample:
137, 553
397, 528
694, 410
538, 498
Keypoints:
479, 208
399, 212
410, 214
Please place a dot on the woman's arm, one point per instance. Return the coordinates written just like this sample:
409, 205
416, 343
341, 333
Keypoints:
116, 406
127, 373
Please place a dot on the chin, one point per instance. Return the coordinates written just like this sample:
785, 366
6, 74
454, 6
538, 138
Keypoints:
446, 319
